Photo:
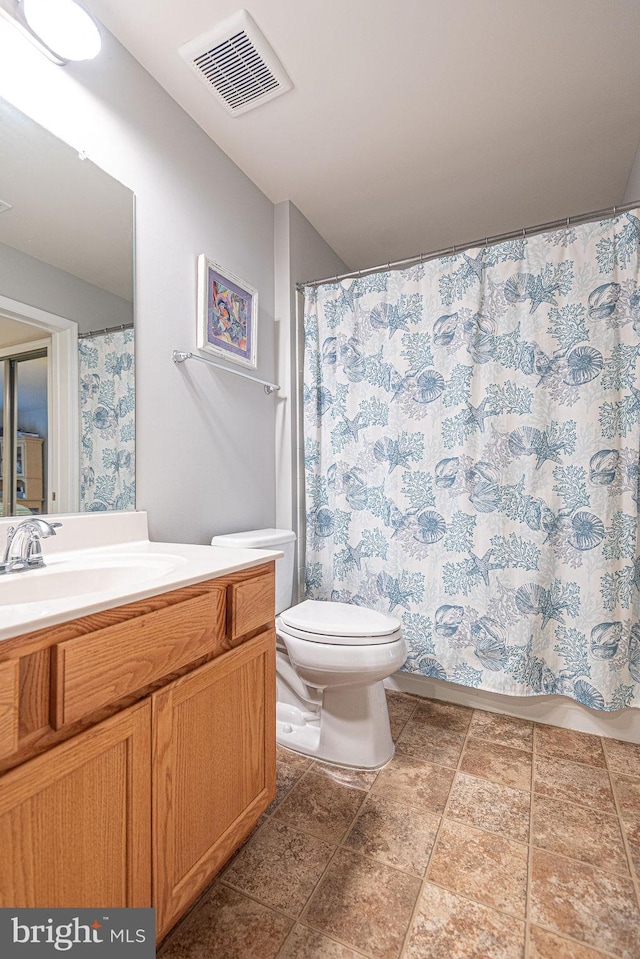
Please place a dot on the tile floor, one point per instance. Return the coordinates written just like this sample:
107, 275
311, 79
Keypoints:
486, 837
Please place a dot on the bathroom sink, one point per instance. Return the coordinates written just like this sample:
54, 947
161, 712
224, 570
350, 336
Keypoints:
95, 574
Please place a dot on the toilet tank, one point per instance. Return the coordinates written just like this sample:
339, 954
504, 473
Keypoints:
282, 539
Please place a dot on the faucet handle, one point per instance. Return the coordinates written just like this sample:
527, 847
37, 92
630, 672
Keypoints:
34, 551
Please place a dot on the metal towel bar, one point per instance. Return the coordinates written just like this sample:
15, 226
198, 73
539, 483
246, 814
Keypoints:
180, 356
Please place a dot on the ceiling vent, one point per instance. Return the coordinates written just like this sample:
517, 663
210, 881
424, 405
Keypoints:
237, 64
4, 206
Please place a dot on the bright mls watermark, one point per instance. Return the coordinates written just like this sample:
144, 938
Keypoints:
80, 933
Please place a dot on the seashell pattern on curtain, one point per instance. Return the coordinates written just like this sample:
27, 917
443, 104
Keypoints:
107, 412
472, 451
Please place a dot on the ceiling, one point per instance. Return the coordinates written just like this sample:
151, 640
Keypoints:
14, 333
415, 124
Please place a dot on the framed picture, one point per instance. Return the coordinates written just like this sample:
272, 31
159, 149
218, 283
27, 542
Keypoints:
227, 314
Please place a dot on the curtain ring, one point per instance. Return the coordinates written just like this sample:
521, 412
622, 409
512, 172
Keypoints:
614, 210
453, 250
524, 233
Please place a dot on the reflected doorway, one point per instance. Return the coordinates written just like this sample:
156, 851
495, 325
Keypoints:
24, 415
39, 398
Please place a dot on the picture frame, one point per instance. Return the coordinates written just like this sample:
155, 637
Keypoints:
227, 323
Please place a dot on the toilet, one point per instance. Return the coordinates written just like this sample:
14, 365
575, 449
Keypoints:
331, 660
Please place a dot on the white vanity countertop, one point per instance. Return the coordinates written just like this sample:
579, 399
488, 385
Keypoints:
121, 566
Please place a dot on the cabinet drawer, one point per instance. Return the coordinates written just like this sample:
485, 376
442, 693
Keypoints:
251, 605
90, 672
8, 707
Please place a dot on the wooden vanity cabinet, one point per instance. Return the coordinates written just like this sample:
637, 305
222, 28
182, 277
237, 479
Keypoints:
74, 822
213, 769
9, 705
136, 789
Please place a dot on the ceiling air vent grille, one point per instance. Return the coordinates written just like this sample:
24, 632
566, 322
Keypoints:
237, 64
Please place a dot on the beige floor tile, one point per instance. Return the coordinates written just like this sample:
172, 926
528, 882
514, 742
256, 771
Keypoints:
505, 730
445, 715
449, 927
279, 866
358, 778
484, 867
631, 829
623, 757
585, 785
431, 743
402, 704
596, 907
414, 782
627, 791
491, 806
634, 852
401, 707
546, 945
579, 833
560, 743
294, 759
304, 943
364, 903
287, 775
228, 925
321, 807
398, 835
396, 726
501, 764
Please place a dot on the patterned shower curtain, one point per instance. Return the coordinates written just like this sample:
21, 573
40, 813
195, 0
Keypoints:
107, 408
472, 438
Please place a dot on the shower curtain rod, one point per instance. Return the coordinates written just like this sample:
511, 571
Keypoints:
107, 329
487, 241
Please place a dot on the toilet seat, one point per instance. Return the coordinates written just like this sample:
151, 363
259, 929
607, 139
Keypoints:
338, 624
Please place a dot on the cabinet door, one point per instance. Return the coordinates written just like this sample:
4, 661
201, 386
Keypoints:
75, 823
213, 769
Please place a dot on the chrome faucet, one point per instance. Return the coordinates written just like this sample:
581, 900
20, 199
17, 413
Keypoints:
23, 549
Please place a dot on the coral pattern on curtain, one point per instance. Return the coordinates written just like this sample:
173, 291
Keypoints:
107, 410
472, 437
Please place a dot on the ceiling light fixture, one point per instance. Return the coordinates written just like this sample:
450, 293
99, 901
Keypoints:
62, 29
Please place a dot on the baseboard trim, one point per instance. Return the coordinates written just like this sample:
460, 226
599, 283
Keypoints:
553, 710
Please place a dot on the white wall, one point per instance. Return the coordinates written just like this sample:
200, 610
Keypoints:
205, 448
632, 193
28, 280
300, 254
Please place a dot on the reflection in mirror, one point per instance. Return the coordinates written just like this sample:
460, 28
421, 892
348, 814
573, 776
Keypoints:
67, 396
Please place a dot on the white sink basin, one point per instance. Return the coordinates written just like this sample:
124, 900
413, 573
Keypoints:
94, 575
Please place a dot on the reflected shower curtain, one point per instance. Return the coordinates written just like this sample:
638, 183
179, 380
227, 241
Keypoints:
472, 437
107, 414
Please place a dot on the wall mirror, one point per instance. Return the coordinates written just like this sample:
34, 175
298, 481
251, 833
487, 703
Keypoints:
67, 397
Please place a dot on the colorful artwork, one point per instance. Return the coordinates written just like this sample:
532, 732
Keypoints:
227, 314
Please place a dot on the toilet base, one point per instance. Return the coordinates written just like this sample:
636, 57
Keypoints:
351, 729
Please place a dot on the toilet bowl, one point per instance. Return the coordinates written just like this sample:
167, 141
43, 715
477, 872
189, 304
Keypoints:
331, 660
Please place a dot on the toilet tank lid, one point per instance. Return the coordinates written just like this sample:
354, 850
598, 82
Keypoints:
339, 619
254, 539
